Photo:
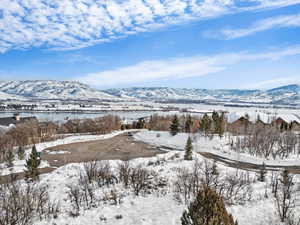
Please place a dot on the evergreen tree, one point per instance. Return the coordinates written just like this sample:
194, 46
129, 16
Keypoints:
216, 120
207, 209
32, 165
9, 158
188, 124
205, 124
174, 128
21, 153
221, 125
188, 149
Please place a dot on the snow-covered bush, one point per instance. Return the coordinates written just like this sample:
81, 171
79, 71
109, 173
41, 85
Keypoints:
21, 203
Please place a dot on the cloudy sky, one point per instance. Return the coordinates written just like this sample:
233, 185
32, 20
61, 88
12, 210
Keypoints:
175, 43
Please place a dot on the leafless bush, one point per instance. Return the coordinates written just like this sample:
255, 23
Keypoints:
100, 172
285, 201
189, 182
140, 179
183, 185
19, 205
124, 170
113, 196
81, 196
94, 174
75, 197
268, 142
235, 189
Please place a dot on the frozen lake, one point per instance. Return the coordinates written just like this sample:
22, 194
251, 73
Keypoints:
64, 116
133, 115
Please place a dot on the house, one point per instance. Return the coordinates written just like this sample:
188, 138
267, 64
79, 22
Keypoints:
287, 122
241, 122
16, 119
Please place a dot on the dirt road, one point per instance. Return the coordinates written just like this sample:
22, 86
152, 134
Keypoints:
248, 166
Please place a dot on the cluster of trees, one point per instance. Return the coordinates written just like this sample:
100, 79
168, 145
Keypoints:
183, 123
23, 135
209, 125
214, 124
13, 142
267, 142
101, 125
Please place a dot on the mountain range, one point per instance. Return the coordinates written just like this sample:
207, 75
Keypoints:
289, 94
50, 89
71, 90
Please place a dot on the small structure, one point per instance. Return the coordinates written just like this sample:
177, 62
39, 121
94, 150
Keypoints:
47, 129
287, 122
240, 122
16, 119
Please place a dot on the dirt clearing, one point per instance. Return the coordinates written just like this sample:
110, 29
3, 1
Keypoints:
121, 147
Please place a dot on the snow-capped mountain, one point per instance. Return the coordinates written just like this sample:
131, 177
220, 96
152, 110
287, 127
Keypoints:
5, 96
49, 89
71, 90
282, 95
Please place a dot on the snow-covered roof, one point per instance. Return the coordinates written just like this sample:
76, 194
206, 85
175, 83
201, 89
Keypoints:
289, 118
4, 129
265, 118
253, 117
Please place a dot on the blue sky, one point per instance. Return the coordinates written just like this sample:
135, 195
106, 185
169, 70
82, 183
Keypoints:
178, 43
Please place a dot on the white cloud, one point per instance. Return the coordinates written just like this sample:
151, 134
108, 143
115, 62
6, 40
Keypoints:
178, 68
261, 25
71, 24
274, 82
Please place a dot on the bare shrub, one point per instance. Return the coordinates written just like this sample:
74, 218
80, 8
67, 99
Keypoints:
124, 170
267, 142
284, 200
235, 189
100, 172
113, 196
19, 205
140, 179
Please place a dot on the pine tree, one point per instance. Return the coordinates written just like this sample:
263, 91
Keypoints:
188, 124
9, 158
216, 120
21, 153
207, 209
205, 124
32, 165
221, 125
188, 149
174, 128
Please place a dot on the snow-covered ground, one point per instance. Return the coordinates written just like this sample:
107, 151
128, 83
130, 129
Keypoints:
216, 146
152, 209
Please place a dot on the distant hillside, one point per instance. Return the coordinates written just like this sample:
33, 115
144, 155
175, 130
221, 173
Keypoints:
70, 90
48, 89
282, 95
